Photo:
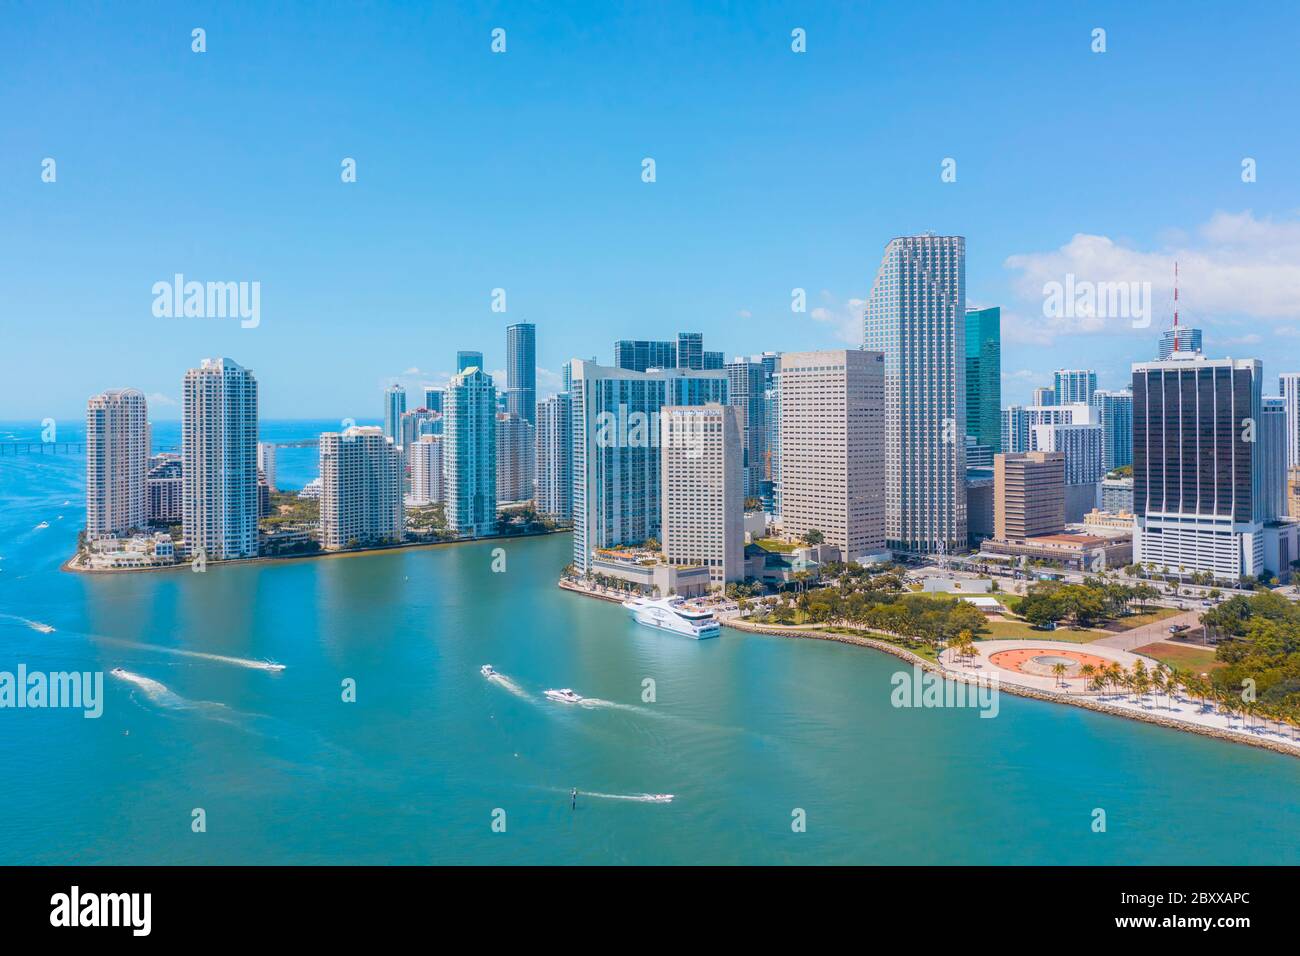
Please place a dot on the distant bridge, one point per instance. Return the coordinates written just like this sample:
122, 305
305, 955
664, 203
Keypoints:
42, 448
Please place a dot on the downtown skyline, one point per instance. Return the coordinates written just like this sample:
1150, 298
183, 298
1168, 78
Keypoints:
741, 212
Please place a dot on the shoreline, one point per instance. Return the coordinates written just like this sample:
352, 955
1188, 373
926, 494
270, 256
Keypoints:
1018, 690
273, 558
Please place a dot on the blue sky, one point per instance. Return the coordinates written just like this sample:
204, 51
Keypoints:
522, 171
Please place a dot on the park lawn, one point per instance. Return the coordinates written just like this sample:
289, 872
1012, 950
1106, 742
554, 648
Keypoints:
1198, 660
1131, 621
1024, 631
916, 647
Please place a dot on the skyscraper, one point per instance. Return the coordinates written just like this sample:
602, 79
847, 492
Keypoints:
915, 316
470, 453
516, 457
1272, 446
1189, 340
219, 460
833, 439
521, 371
703, 481
394, 409
1197, 488
1044, 395
1288, 384
690, 350
465, 360
361, 489
1115, 413
1028, 494
616, 466
984, 377
433, 398
714, 360
425, 454
1081, 444
745, 387
555, 457
772, 443
266, 462
1073, 386
117, 463
639, 355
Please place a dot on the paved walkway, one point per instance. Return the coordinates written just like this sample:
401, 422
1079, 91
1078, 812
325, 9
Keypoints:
980, 665
1147, 633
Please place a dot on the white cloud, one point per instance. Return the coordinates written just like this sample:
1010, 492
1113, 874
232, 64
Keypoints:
159, 399
844, 318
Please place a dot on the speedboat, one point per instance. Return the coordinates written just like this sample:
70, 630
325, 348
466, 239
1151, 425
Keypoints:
43, 628
672, 614
117, 672
272, 665
42, 525
486, 670
564, 696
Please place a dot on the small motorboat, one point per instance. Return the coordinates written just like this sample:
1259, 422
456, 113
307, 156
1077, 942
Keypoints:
272, 665
486, 670
564, 696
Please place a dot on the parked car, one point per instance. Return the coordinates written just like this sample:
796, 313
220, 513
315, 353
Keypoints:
1177, 628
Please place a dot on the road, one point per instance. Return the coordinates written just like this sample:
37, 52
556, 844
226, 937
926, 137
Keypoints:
1148, 633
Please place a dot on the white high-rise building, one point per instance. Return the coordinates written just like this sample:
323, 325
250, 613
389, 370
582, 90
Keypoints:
1198, 484
469, 457
516, 457
117, 463
915, 315
1082, 445
1288, 384
361, 489
1074, 386
833, 439
219, 460
425, 455
555, 457
266, 463
703, 488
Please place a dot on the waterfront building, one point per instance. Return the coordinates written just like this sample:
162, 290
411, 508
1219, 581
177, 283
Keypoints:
1044, 396
1273, 452
516, 457
745, 388
984, 378
1115, 415
117, 463
1074, 386
1288, 386
219, 460
772, 445
637, 356
467, 360
833, 435
616, 463
394, 409
1188, 340
470, 453
1028, 494
165, 489
703, 489
266, 463
915, 316
1117, 495
521, 371
361, 489
425, 454
555, 457
1197, 485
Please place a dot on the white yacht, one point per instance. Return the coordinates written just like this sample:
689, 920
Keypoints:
671, 614
564, 696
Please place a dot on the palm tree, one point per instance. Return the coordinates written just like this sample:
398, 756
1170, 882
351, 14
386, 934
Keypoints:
1059, 670
1088, 670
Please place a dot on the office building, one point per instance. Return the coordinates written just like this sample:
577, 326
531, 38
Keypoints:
637, 356
1028, 494
361, 489
915, 315
1188, 340
984, 379
772, 443
1081, 445
1117, 495
690, 350
219, 460
1197, 481
703, 489
467, 360
833, 435
433, 398
1271, 439
1288, 386
745, 388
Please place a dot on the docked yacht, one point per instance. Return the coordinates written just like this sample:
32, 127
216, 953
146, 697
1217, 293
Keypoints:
671, 614
564, 696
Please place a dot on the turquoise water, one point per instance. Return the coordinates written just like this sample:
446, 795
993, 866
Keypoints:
744, 730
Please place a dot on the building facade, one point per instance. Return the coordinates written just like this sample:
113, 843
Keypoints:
1028, 494
394, 409
1073, 386
984, 377
117, 463
219, 460
1115, 415
425, 456
1182, 339
521, 371
703, 489
746, 384
516, 457
361, 489
469, 461
915, 317
555, 457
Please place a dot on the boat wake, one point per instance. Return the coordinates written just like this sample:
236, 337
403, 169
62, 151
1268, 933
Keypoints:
161, 695
34, 625
610, 704
198, 655
633, 797
501, 680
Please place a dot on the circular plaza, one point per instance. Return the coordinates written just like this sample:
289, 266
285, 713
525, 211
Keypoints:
1047, 665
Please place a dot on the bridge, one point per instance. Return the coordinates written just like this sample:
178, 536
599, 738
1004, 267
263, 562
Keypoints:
42, 448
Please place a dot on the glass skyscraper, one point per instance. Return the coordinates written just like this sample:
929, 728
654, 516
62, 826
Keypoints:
466, 360
470, 454
639, 355
394, 409
745, 388
915, 315
984, 377
1074, 386
1189, 340
521, 371
1115, 413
